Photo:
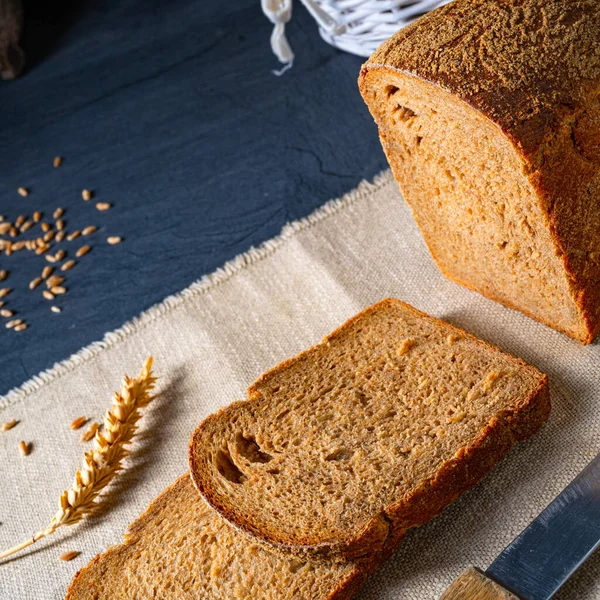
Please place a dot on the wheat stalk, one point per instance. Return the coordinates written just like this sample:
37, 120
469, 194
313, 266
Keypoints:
101, 464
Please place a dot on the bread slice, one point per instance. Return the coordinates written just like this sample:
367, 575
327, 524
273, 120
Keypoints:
374, 430
180, 549
489, 114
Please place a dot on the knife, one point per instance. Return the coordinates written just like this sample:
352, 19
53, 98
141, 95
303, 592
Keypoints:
546, 553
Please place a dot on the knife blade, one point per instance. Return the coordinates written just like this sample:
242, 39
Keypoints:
547, 552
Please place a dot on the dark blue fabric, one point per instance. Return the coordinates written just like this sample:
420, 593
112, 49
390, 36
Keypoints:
169, 111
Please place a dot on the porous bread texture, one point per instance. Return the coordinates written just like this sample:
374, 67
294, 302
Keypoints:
374, 430
489, 114
179, 548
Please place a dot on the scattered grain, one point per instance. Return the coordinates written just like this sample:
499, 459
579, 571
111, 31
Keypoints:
58, 290
78, 422
114, 239
82, 251
23, 191
24, 448
68, 265
8, 424
101, 206
48, 295
54, 280
89, 230
87, 435
5, 312
69, 555
86, 195
34, 283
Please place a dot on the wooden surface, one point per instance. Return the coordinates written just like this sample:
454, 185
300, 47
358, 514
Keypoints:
474, 585
168, 110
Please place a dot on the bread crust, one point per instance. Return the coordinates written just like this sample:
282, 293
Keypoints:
543, 95
454, 478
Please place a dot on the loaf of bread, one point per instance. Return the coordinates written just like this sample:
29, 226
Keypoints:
489, 113
179, 549
374, 430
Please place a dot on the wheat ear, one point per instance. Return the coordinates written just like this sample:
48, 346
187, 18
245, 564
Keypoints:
101, 464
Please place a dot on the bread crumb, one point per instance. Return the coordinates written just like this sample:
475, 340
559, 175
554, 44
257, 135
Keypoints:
405, 346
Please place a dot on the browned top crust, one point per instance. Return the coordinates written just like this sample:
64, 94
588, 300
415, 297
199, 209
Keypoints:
526, 64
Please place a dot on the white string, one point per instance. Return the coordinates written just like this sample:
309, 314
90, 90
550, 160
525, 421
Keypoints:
355, 26
279, 12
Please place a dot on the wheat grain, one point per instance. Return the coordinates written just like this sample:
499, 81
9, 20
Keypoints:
48, 295
34, 283
87, 435
57, 161
78, 422
23, 191
5, 312
114, 239
68, 265
58, 213
86, 195
55, 309
88, 230
5, 292
69, 555
60, 236
47, 272
60, 224
13, 323
20, 220
50, 258
45, 227
54, 280
73, 235
60, 255
101, 464
37, 215
103, 206
58, 290
8, 424
21, 327
24, 448
3, 275
82, 251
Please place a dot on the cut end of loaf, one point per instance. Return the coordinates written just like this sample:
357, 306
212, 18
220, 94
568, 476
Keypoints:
374, 430
470, 192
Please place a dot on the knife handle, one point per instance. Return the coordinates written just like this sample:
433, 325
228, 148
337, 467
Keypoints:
474, 585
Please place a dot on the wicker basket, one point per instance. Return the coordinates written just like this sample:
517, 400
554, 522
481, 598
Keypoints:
355, 26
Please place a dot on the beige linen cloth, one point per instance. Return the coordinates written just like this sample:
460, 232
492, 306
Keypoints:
213, 339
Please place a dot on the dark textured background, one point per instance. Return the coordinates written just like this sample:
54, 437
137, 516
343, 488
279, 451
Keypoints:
170, 111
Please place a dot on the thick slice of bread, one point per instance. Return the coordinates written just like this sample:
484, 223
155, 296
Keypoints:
489, 114
374, 430
179, 548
